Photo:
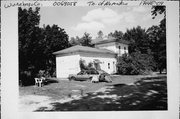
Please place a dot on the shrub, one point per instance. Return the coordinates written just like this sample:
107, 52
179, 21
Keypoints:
26, 78
82, 64
135, 64
44, 73
90, 65
126, 65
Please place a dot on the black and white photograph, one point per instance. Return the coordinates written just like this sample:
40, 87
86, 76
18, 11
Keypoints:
92, 58
101, 57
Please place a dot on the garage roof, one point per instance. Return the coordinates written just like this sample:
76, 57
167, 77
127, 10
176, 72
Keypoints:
79, 48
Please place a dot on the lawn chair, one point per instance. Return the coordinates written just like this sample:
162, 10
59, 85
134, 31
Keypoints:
36, 81
39, 81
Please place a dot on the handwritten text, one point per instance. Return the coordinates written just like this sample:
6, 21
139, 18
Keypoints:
153, 2
107, 3
22, 4
64, 3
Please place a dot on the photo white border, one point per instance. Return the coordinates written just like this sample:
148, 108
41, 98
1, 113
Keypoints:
9, 79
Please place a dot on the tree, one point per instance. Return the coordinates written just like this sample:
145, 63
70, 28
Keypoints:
116, 34
140, 59
28, 20
147, 48
27, 27
158, 10
100, 34
159, 40
36, 44
135, 64
86, 40
75, 41
138, 40
54, 39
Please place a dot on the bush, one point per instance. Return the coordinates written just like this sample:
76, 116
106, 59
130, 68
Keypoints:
90, 65
83, 65
126, 65
26, 78
135, 64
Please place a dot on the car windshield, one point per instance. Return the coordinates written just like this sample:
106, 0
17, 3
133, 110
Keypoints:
91, 72
80, 73
94, 72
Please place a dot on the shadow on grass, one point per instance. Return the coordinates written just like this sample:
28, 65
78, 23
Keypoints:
154, 78
51, 80
119, 97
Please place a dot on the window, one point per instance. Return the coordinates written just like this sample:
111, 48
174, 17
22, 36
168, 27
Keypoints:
81, 73
119, 47
108, 65
119, 50
124, 48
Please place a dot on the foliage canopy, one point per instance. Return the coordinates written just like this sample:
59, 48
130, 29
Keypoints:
36, 44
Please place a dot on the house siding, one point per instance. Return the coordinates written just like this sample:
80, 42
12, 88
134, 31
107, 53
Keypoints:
104, 58
122, 50
109, 46
114, 46
66, 65
69, 64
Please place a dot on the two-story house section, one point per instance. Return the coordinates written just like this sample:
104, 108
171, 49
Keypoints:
118, 46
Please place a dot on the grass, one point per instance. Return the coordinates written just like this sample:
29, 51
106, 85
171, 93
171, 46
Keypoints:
61, 88
125, 93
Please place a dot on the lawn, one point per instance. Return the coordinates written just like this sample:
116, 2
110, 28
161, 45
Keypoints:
124, 93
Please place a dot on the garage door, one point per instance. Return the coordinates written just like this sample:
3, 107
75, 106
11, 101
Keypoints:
67, 65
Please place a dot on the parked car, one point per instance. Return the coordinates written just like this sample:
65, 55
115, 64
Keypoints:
83, 75
91, 75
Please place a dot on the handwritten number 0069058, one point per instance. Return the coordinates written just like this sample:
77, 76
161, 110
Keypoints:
63, 3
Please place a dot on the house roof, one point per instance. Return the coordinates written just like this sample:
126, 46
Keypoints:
79, 48
109, 40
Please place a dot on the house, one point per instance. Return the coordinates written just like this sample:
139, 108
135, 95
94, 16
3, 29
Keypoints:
105, 53
118, 46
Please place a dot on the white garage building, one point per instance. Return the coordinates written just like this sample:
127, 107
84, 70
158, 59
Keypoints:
105, 51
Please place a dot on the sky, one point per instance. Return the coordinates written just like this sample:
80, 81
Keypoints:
78, 20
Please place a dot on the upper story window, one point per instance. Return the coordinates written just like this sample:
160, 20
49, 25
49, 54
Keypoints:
119, 47
108, 65
125, 50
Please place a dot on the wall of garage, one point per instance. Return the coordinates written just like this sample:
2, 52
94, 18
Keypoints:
66, 65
